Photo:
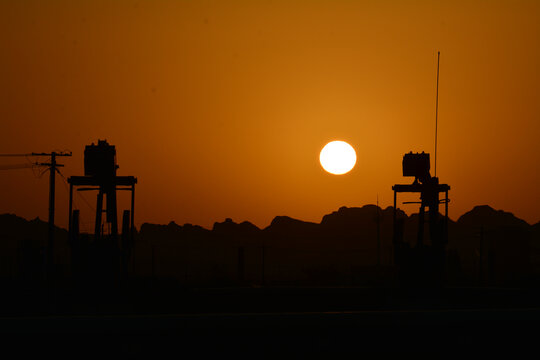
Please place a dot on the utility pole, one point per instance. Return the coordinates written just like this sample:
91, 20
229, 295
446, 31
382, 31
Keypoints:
53, 168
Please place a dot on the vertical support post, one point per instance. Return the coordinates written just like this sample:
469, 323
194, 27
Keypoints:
420, 238
446, 204
112, 212
436, 227
75, 224
125, 230
75, 245
132, 213
132, 225
71, 238
99, 211
394, 220
446, 217
70, 221
50, 244
394, 217
125, 246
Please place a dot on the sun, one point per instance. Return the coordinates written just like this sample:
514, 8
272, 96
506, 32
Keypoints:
337, 157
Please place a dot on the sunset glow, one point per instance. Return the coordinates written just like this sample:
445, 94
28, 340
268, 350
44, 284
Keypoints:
220, 108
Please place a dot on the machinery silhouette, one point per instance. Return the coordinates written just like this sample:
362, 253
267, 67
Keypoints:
423, 264
100, 175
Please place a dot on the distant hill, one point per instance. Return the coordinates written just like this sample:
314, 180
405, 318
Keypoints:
345, 242
337, 250
229, 227
23, 241
485, 215
14, 229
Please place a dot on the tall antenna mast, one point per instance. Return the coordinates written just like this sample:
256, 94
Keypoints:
437, 110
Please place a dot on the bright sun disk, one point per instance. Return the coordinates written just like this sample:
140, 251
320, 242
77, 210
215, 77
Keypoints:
337, 157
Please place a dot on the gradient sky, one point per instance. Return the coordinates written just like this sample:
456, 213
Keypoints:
220, 108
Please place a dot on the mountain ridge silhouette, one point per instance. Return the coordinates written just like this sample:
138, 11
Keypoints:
339, 250
344, 217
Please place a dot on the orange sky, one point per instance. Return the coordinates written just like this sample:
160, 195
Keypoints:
220, 108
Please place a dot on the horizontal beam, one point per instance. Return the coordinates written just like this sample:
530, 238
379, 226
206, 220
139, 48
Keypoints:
50, 154
97, 188
92, 180
48, 164
419, 188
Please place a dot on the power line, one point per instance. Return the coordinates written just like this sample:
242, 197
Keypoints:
82, 223
79, 194
16, 166
14, 155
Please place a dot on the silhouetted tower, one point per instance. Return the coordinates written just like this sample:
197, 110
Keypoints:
100, 175
423, 261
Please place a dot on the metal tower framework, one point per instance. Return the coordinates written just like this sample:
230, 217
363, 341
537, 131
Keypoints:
100, 175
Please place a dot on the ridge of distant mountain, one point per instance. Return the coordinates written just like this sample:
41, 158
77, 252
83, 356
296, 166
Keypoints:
485, 215
290, 226
350, 235
172, 227
230, 227
345, 221
171, 232
15, 226
347, 216
22, 239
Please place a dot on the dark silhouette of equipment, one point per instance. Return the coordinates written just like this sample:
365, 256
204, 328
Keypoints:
100, 175
52, 166
423, 263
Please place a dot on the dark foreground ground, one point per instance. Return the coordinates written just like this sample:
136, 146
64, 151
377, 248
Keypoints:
257, 322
